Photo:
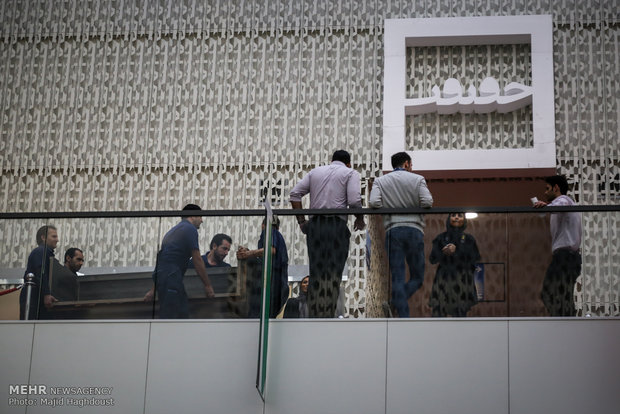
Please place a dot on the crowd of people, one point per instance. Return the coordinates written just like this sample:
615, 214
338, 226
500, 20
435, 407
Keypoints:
335, 186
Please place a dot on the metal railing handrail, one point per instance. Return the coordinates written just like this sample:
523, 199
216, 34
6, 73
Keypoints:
291, 212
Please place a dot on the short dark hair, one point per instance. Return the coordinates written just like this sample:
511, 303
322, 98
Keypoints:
70, 253
399, 159
558, 180
343, 156
190, 207
218, 239
42, 232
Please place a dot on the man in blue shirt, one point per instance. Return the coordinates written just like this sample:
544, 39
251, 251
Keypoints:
41, 299
220, 246
178, 245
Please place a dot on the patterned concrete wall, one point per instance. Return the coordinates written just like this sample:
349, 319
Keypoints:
133, 105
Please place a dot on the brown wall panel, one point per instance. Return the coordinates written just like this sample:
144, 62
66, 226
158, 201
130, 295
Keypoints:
514, 247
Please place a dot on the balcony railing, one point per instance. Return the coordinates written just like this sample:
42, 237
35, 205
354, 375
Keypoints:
120, 252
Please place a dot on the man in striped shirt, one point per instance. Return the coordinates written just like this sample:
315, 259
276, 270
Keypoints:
332, 186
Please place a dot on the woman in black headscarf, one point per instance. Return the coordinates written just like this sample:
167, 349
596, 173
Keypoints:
454, 290
298, 307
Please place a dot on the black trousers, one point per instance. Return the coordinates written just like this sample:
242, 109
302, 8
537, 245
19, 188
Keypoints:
173, 302
559, 283
328, 248
37, 305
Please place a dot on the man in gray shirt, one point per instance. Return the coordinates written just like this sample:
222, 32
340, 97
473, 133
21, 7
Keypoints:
331, 186
404, 237
565, 267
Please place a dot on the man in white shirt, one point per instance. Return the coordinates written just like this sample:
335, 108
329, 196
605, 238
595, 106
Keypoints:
404, 233
565, 267
331, 186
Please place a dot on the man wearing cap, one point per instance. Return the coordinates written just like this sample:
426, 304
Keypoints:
178, 245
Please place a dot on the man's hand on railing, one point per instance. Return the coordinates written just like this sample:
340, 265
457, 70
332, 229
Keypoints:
49, 300
149, 296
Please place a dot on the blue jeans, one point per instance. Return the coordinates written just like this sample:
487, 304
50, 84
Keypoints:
405, 244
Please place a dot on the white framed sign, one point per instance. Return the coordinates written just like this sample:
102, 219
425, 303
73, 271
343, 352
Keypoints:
459, 31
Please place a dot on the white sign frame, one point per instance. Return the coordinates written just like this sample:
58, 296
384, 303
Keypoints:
453, 31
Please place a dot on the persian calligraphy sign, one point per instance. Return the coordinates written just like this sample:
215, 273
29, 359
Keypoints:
487, 97
452, 100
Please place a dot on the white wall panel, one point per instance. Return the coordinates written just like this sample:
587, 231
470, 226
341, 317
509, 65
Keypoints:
199, 367
15, 352
326, 367
444, 366
323, 366
92, 355
564, 366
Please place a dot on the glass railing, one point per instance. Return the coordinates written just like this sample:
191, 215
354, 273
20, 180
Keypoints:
501, 264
